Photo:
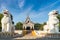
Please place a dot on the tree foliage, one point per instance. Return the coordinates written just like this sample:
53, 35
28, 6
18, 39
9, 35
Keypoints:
1, 15
19, 26
38, 26
59, 20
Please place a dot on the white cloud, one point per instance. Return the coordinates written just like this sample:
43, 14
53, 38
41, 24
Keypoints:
22, 15
21, 3
33, 14
41, 14
51, 5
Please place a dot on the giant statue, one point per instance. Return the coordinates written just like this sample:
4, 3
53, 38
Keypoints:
6, 22
52, 23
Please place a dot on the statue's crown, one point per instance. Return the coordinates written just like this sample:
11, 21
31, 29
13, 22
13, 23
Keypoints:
53, 12
5, 10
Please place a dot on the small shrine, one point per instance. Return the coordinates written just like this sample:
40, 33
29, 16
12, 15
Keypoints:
28, 24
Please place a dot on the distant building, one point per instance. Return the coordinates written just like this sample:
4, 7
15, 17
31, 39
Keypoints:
28, 24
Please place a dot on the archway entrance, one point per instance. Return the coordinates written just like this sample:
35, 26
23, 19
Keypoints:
27, 28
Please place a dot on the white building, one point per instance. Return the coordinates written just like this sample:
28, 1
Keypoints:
28, 24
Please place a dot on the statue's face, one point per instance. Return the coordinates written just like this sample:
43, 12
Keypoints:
54, 13
5, 14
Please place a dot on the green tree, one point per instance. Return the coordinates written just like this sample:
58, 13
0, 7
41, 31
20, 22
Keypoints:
38, 26
44, 23
1, 15
59, 20
41, 26
19, 26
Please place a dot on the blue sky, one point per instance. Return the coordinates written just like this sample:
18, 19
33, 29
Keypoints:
37, 9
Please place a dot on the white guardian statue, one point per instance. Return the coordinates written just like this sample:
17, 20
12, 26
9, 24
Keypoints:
6, 22
52, 23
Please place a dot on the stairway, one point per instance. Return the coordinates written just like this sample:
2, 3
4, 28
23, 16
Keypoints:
47, 37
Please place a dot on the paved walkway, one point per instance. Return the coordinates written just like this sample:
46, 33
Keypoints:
30, 37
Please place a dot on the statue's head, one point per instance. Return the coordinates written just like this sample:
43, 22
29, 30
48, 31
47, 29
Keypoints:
5, 13
53, 12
